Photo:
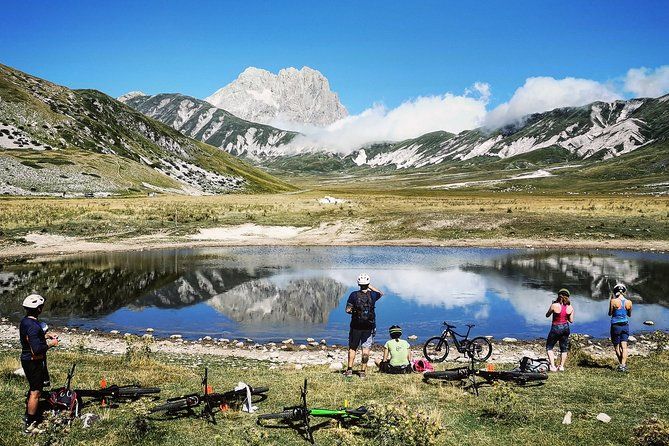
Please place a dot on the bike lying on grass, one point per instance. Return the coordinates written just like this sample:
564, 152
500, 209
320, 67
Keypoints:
211, 402
487, 376
299, 417
436, 348
71, 400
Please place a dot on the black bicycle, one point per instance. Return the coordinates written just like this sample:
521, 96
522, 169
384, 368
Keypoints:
112, 394
436, 348
299, 417
211, 402
489, 376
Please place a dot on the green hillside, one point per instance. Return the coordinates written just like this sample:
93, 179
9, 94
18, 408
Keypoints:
54, 140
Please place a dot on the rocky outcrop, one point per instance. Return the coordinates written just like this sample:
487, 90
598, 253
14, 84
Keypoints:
298, 96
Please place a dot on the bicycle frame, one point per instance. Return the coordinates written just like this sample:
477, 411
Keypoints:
453, 334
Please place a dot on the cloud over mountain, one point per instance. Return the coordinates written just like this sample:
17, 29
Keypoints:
423, 114
540, 94
645, 82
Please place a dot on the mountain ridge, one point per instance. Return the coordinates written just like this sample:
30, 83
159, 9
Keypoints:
54, 140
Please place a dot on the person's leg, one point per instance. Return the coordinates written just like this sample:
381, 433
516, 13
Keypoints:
367, 339
353, 343
615, 339
564, 348
351, 357
623, 353
550, 344
32, 405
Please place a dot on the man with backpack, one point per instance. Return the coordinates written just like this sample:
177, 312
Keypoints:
361, 306
34, 344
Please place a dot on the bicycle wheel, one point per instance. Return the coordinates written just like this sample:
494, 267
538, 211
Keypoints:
176, 405
285, 415
479, 348
136, 391
447, 375
436, 349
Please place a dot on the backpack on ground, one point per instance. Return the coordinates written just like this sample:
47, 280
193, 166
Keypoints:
65, 400
421, 365
363, 309
533, 365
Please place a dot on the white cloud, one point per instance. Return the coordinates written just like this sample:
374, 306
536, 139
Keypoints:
648, 83
415, 117
540, 94
455, 113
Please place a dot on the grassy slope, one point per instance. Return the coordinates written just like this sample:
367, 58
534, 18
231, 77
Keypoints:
107, 122
534, 414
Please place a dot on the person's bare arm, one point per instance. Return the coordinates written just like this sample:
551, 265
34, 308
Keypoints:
611, 308
385, 354
550, 311
570, 316
628, 307
409, 356
375, 290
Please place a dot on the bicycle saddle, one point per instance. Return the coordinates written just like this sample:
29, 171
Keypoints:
449, 325
470, 325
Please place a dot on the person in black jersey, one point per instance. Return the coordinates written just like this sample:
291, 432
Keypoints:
361, 306
34, 344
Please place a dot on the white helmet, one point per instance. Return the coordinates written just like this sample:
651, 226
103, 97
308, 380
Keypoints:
33, 301
620, 288
363, 279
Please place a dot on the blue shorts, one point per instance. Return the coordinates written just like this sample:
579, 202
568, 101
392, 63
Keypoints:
620, 333
558, 333
360, 338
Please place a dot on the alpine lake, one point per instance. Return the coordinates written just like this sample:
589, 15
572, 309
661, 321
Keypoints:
272, 293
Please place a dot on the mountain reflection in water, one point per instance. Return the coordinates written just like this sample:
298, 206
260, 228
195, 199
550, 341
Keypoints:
269, 292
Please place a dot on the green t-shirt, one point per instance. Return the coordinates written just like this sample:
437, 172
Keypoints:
399, 352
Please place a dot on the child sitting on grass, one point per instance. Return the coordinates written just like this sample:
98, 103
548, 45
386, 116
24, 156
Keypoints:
396, 354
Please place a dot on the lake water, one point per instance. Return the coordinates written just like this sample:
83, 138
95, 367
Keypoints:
271, 293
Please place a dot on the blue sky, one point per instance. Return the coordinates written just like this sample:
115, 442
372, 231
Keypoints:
387, 52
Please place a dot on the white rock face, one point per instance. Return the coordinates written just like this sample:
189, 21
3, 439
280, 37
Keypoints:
298, 96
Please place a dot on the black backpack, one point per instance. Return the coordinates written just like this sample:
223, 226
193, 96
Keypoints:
528, 364
363, 308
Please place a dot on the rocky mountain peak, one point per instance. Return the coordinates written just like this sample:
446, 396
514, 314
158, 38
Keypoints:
130, 95
298, 96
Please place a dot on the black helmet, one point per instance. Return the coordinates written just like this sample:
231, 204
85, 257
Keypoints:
395, 331
619, 288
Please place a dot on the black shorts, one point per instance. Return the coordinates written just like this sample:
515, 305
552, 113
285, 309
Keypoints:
385, 367
37, 374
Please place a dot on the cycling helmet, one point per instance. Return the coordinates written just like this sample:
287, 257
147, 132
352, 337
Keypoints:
564, 291
395, 331
363, 279
33, 301
619, 288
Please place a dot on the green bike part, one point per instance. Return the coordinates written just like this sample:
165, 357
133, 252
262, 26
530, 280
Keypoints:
332, 413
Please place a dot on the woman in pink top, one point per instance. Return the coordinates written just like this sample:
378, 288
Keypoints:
563, 315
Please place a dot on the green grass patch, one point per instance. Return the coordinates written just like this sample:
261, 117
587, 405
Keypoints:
404, 408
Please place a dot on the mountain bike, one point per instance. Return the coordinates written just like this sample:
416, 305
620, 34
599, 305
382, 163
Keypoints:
299, 417
211, 402
66, 396
436, 348
488, 376
110, 395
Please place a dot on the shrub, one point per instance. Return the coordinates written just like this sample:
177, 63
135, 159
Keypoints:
652, 432
397, 424
503, 402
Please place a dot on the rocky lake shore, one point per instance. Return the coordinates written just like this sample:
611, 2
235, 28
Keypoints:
298, 353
